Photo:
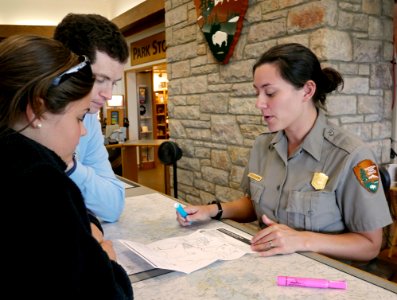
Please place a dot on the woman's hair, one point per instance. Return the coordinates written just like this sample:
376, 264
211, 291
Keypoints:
298, 64
29, 66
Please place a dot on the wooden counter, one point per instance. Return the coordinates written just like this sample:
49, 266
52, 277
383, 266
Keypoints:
249, 277
129, 158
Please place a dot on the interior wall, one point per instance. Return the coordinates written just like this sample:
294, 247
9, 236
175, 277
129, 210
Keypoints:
117, 7
28, 12
25, 12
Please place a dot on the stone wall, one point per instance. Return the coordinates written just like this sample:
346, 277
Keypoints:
212, 106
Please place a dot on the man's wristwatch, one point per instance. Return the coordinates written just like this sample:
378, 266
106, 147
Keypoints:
220, 210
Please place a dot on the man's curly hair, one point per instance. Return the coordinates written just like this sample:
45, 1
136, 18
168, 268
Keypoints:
88, 33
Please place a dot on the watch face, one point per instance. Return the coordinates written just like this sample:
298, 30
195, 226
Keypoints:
142, 110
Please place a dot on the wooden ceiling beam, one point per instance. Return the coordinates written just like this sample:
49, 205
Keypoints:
138, 18
8, 30
148, 12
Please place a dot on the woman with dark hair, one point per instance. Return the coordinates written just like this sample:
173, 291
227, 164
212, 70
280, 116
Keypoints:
44, 96
311, 185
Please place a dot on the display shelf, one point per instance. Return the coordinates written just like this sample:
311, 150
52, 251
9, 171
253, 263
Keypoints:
160, 115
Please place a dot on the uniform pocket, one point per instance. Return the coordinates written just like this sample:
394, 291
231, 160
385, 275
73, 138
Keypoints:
313, 211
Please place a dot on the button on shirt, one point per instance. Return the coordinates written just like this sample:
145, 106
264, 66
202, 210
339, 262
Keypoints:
285, 193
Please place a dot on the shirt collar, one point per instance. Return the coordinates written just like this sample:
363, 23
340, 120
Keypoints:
313, 142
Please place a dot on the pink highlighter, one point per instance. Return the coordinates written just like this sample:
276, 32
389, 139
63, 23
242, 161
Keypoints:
311, 282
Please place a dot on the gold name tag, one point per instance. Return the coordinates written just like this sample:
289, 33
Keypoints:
254, 176
319, 180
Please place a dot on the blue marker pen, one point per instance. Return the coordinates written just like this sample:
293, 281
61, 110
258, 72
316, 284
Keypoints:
180, 210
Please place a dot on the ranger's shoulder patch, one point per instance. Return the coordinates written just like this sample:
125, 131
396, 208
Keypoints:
367, 174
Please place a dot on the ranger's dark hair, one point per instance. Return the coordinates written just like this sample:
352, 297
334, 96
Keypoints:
297, 64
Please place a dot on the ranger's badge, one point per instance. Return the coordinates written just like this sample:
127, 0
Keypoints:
319, 181
367, 174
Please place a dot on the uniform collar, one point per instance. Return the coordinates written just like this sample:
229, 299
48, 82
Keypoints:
314, 140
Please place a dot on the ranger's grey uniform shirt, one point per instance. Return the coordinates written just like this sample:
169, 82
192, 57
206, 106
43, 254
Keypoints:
283, 189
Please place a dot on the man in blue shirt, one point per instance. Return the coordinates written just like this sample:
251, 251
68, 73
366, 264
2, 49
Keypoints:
105, 46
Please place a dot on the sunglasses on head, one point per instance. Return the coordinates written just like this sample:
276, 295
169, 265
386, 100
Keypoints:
84, 61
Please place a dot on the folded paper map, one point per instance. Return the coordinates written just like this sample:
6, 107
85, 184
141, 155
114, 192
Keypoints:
192, 252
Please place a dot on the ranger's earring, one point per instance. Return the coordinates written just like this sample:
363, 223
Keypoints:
39, 125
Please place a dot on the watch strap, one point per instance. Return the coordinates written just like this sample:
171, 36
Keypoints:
220, 210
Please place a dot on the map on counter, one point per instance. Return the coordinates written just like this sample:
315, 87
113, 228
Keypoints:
191, 252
